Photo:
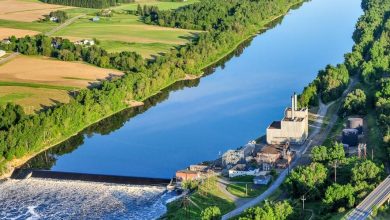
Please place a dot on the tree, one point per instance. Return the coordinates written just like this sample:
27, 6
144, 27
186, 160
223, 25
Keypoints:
211, 213
276, 211
336, 152
319, 154
307, 178
355, 103
366, 171
337, 196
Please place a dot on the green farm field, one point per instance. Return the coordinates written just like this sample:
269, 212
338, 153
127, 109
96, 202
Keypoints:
126, 32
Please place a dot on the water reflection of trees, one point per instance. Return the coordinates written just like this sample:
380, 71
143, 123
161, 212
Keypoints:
47, 159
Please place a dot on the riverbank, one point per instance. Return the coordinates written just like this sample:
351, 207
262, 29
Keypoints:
20, 161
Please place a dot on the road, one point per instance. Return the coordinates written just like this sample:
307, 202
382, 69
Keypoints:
316, 137
63, 25
376, 198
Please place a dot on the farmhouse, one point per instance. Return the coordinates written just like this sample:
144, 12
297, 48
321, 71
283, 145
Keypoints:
53, 19
85, 42
95, 19
6, 41
293, 128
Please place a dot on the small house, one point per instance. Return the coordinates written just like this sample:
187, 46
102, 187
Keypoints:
95, 19
6, 41
53, 19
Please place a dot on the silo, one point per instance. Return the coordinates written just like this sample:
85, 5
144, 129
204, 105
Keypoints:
350, 137
356, 123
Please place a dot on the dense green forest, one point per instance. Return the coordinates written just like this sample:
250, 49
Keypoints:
369, 61
88, 3
142, 79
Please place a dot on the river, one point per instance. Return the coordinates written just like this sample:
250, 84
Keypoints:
194, 121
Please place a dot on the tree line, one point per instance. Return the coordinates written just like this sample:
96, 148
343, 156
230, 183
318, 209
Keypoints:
88, 3
142, 79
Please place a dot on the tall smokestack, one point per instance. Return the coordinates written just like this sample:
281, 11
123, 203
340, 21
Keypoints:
292, 108
295, 101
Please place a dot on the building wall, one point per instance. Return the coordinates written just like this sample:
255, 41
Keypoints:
293, 131
183, 176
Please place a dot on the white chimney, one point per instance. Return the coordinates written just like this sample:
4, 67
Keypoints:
292, 108
295, 102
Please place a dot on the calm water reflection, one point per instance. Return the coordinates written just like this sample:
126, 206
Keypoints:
196, 120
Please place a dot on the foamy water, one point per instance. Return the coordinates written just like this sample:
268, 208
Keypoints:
53, 199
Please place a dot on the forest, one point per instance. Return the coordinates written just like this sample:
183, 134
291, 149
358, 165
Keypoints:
88, 3
142, 79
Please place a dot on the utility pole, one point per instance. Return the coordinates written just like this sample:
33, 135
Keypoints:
335, 170
303, 203
372, 154
246, 189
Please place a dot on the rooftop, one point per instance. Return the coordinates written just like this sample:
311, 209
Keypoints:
275, 125
270, 149
187, 171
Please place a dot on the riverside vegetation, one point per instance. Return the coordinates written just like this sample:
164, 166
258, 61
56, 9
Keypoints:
328, 197
31, 134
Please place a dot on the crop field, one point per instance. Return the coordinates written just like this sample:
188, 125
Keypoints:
47, 71
32, 99
31, 10
126, 32
162, 5
7, 32
36, 82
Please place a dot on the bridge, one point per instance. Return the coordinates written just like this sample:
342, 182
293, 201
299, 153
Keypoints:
27, 173
376, 198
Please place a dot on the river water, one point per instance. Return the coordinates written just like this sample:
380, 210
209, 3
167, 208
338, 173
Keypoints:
194, 121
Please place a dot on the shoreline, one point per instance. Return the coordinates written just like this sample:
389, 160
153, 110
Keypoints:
11, 165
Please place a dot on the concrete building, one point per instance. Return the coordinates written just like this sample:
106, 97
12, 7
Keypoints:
184, 175
268, 156
242, 170
233, 157
198, 168
293, 128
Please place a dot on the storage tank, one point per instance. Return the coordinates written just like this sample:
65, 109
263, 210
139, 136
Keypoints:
356, 123
350, 137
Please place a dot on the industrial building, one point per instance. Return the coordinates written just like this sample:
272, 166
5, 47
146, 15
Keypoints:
233, 157
293, 128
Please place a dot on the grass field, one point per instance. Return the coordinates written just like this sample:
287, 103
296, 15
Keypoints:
239, 189
32, 99
212, 196
127, 32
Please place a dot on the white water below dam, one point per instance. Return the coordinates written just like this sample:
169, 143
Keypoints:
36, 198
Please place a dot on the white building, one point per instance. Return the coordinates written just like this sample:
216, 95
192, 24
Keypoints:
53, 19
85, 42
293, 128
242, 170
233, 157
2, 53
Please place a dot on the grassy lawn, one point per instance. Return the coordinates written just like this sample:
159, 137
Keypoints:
239, 189
35, 26
211, 196
31, 98
248, 179
145, 49
127, 32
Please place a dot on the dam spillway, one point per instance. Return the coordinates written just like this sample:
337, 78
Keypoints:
48, 174
37, 198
